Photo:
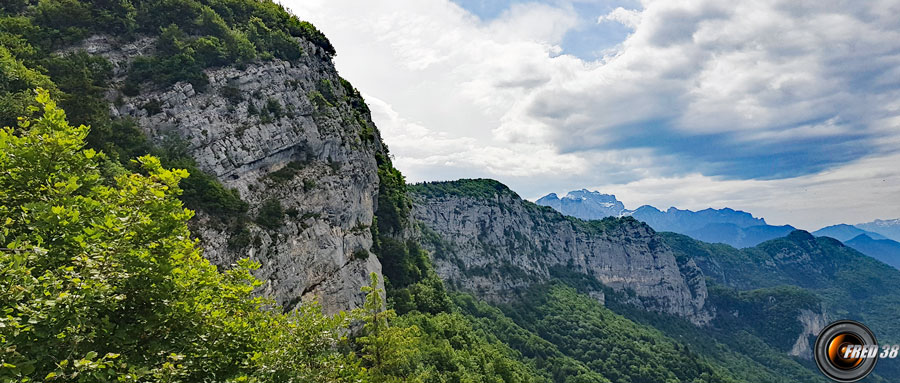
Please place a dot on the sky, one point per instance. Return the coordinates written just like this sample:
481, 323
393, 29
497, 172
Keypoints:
788, 109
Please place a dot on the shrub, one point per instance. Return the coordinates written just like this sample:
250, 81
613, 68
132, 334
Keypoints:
327, 90
287, 173
360, 254
270, 215
239, 238
153, 107
318, 100
274, 107
232, 93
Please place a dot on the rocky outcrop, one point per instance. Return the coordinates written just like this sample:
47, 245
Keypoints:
494, 243
813, 323
274, 131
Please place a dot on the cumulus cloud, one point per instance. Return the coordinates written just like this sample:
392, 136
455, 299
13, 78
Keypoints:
705, 78
627, 17
714, 99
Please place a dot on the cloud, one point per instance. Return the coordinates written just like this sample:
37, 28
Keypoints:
719, 83
746, 98
419, 149
627, 17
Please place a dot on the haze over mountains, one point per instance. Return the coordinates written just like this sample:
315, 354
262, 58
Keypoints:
885, 250
889, 228
734, 227
843, 232
877, 239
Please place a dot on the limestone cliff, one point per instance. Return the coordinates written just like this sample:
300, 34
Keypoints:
487, 240
274, 130
813, 323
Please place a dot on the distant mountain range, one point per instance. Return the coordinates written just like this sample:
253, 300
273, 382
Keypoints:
734, 227
870, 243
738, 236
889, 228
884, 250
585, 204
877, 239
676, 220
844, 232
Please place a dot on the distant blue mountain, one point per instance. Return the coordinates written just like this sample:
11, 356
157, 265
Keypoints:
685, 221
884, 250
584, 204
734, 227
737, 236
887, 227
844, 232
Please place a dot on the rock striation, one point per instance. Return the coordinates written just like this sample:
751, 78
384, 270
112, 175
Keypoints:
813, 323
493, 243
281, 131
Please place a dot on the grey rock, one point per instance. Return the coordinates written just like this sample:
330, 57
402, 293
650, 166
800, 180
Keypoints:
493, 247
331, 195
813, 323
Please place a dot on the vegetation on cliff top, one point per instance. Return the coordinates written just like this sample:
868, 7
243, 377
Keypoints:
480, 188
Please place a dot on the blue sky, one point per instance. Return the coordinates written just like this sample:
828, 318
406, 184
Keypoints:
587, 40
788, 109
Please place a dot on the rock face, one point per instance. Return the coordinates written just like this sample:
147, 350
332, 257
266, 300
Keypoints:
495, 243
584, 204
813, 323
293, 118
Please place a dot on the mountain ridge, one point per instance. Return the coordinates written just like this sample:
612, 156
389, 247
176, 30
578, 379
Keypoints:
884, 250
889, 228
844, 232
726, 225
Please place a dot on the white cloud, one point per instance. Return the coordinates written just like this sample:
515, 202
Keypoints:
627, 17
419, 149
701, 95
